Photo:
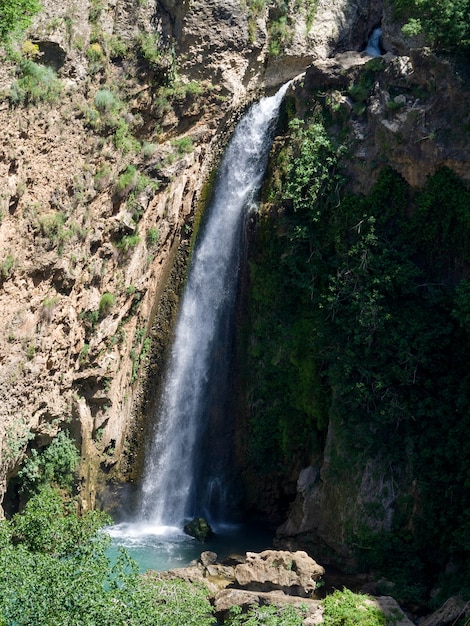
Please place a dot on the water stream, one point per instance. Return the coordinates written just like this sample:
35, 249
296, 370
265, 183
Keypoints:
185, 473
373, 44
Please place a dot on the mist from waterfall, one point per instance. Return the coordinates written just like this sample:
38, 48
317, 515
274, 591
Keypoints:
175, 487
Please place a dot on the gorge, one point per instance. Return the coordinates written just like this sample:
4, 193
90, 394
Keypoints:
347, 382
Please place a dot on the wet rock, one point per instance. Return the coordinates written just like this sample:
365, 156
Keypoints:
198, 528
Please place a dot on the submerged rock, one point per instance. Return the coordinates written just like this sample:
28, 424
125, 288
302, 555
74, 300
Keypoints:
198, 528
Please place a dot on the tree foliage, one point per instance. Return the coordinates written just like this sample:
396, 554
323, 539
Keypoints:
446, 23
359, 309
54, 569
16, 16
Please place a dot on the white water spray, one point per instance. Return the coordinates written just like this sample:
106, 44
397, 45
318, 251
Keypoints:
170, 492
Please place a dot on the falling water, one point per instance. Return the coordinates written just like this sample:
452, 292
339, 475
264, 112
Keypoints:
171, 489
373, 45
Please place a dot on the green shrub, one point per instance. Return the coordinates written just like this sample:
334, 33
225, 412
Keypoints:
444, 23
152, 236
55, 464
183, 145
127, 243
37, 84
124, 139
149, 48
51, 224
102, 178
7, 266
127, 181
54, 569
107, 301
105, 101
345, 608
16, 16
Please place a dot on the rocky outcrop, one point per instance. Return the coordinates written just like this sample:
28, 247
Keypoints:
451, 612
272, 577
295, 573
71, 235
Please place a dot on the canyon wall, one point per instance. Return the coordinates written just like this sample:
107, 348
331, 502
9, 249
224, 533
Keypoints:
102, 163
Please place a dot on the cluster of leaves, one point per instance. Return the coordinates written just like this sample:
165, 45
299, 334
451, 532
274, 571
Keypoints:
351, 609
54, 569
446, 23
359, 317
15, 17
37, 83
55, 464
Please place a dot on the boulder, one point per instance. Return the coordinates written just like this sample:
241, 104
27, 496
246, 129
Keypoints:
294, 573
245, 599
454, 609
198, 528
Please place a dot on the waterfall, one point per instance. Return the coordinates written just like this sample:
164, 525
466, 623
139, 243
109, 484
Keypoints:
174, 486
373, 45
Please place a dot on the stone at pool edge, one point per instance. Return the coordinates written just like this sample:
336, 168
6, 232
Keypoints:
199, 528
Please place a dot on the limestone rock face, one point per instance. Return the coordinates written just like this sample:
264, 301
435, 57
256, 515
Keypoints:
451, 612
294, 573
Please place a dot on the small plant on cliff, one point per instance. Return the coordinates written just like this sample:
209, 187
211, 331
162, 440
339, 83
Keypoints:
37, 84
7, 266
55, 464
152, 236
106, 303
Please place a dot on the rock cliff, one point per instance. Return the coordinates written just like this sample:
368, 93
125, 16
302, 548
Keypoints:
113, 118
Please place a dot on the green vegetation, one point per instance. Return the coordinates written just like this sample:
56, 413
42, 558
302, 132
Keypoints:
281, 20
152, 236
183, 145
127, 181
36, 84
345, 608
54, 570
55, 465
107, 301
127, 242
359, 313
445, 23
7, 266
15, 17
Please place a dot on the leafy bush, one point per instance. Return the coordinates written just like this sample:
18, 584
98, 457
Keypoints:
107, 301
152, 236
444, 22
127, 181
127, 242
106, 101
345, 608
16, 16
55, 464
183, 145
54, 570
37, 84
7, 266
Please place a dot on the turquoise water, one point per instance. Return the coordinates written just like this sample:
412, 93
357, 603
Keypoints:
167, 547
